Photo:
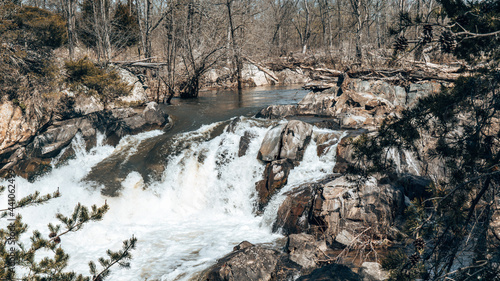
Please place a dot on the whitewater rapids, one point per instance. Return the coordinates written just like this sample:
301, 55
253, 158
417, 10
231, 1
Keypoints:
203, 205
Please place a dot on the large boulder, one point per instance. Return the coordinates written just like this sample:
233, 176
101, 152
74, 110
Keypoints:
286, 141
297, 213
340, 209
86, 104
296, 137
275, 177
137, 95
278, 111
254, 76
292, 76
270, 147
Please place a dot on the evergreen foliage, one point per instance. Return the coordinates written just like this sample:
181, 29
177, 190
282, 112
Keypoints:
124, 31
18, 260
479, 17
125, 27
461, 131
84, 77
27, 36
32, 27
455, 135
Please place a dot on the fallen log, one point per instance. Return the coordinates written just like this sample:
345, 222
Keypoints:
334, 72
263, 69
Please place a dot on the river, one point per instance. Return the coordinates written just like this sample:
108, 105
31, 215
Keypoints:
183, 192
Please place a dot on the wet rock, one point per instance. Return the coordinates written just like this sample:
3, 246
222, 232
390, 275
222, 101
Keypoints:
126, 121
304, 250
254, 263
372, 271
244, 143
325, 142
154, 115
296, 137
331, 272
278, 111
242, 245
32, 168
339, 209
275, 177
271, 145
58, 136
296, 214
285, 141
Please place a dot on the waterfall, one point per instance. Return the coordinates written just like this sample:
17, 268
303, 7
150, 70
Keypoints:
203, 205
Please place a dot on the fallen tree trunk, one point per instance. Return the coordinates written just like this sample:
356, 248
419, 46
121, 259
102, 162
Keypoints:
263, 69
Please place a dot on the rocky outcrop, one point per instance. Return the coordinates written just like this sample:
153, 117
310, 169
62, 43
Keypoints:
137, 95
253, 75
87, 104
340, 209
270, 147
34, 158
297, 213
359, 104
15, 126
275, 177
302, 255
286, 141
283, 146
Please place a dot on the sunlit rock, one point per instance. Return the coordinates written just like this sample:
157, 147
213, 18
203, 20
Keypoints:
254, 263
372, 271
305, 250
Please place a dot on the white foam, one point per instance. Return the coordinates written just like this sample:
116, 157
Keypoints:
194, 215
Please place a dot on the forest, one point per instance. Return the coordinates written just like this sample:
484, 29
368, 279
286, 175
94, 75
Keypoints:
55, 54
176, 42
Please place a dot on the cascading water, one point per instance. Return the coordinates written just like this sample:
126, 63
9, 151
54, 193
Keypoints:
202, 206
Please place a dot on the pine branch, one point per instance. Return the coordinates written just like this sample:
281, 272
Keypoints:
31, 200
121, 258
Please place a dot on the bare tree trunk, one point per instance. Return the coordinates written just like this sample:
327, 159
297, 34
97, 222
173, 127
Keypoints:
307, 28
70, 16
234, 45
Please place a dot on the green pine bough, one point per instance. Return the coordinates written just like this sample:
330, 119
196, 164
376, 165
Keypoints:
17, 257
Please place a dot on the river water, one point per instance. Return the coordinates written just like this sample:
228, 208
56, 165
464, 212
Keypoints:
184, 193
